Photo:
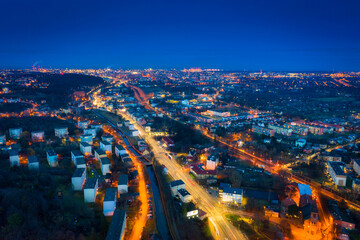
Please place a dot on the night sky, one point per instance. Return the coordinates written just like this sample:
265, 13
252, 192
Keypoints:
231, 35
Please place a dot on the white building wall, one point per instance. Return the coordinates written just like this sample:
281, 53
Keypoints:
109, 207
78, 182
175, 189
122, 189
105, 169
356, 168
90, 194
14, 161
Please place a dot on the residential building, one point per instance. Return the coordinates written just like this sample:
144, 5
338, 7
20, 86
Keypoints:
105, 165
83, 124
61, 132
232, 195
107, 138
316, 130
176, 185
356, 166
75, 154
85, 148
78, 179
340, 218
37, 136
168, 142
105, 146
184, 195
99, 154
356, 185
117, 226
33, 163
123, 183
281, 130
303, 131
90, 189
127, 161
52, 158
90, 131
2, 139
109, 203
222, 187
97, 126
301, 194
14, 158
80, 162
119, 150
135, 133
337, 173
200, 173
212, 161
15, 133
88, 138
262, 130
333, 157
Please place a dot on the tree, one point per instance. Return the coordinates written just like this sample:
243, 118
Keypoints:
235, 179
15, 219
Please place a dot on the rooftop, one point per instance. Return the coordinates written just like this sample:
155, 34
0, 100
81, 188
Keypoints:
123, 179
231, 190
199, 170
85, 144
105, 143
90, 183
86, 135
110, 194
51, 153
119, 147
33, 159
183, 192
100, 151
13, 153
104, 160
78, 172
304, 189
80, 160
176, 183
116, 227
77, 153
337, 167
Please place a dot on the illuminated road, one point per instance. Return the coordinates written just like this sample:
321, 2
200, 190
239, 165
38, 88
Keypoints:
141, 219
268, 166
201, 198
144, 208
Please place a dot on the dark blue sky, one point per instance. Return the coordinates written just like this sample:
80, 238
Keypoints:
233, 35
